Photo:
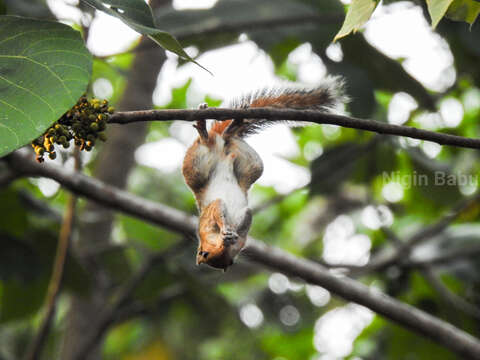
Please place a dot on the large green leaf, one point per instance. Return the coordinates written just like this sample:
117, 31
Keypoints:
464, 10
437, 9
138, 15
44, 69
458, 10
358, 14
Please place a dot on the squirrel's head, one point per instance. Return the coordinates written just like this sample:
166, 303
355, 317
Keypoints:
214, 247
217, 259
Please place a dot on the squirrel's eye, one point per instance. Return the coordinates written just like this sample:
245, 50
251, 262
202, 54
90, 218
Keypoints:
203, 253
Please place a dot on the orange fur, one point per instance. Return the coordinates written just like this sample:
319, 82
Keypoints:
219, 127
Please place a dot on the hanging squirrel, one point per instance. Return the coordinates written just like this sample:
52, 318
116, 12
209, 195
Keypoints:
220, 167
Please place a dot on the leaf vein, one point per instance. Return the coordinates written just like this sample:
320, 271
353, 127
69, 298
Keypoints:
28, 91
46, 67
20, 111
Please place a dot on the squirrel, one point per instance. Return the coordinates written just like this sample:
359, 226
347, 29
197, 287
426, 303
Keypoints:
220, 167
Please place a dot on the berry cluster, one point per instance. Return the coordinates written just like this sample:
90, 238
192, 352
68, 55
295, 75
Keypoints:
83, 124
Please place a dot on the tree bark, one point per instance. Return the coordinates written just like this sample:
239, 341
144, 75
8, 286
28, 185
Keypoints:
114, 163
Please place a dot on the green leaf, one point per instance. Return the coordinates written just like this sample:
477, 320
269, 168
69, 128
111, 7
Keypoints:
437, 10
138, 15
44, 69
358, 14
464, 10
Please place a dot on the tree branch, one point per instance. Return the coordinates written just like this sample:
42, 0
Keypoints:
471, 251
401, 254
450, 297
439, 331
428, 272
317, 117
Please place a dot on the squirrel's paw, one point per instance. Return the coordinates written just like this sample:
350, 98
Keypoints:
229, 237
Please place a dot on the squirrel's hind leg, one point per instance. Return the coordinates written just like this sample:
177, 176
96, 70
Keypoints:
201, 126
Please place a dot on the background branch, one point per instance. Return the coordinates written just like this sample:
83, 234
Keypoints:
451, 256
402, 252
441, 332
317, 117
427, 270
451, 298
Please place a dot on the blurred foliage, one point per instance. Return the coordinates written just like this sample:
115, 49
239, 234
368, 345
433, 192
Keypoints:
180, 311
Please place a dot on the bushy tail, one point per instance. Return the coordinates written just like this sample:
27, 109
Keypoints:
325, 97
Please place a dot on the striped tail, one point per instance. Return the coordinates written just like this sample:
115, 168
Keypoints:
325, 97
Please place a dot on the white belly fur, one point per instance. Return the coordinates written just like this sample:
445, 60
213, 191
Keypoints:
223, 185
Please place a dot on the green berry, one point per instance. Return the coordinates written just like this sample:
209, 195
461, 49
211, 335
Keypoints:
101, 125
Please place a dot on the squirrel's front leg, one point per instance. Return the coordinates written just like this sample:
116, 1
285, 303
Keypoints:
229, 235
201, 126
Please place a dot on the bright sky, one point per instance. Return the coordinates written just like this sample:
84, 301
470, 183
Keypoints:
242, 68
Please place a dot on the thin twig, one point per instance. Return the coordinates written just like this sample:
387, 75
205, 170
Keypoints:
450, 297
415, 319
317, 117
384, 259
34, 352
428, 272
463, 253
